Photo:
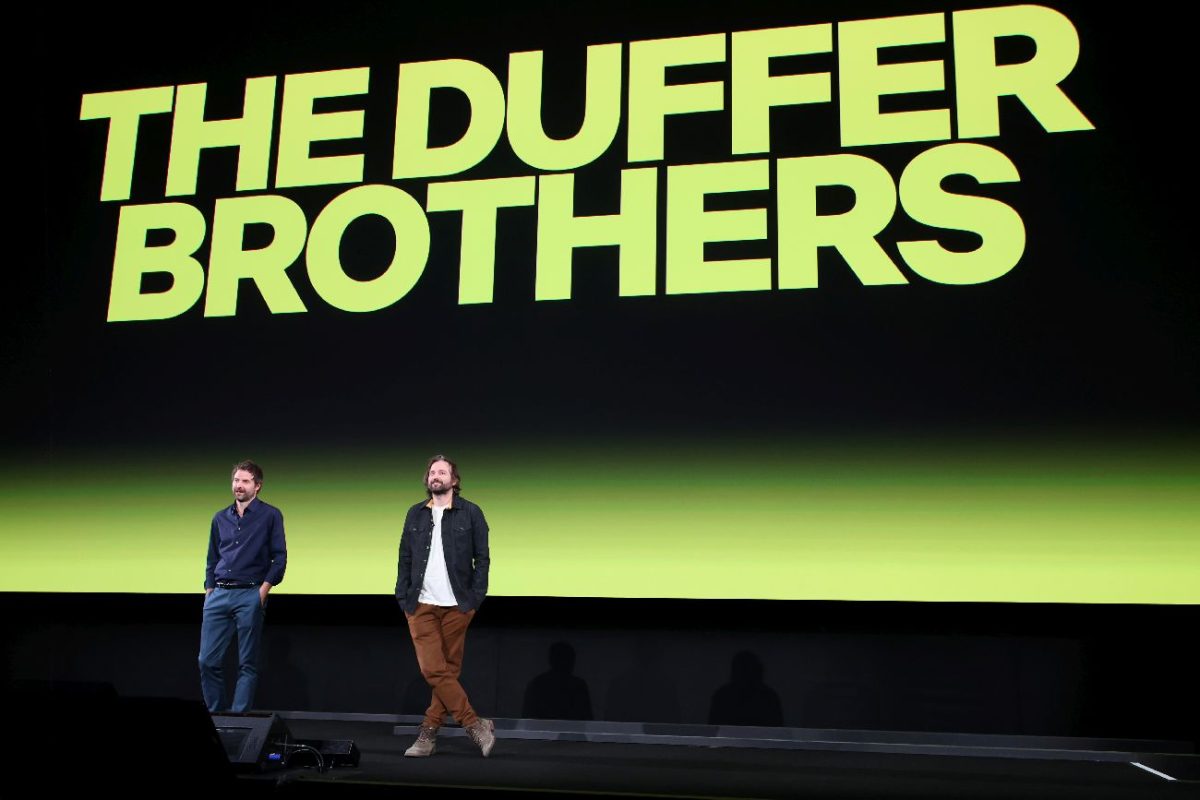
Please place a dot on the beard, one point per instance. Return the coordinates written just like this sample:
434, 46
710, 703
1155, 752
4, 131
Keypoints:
437, 487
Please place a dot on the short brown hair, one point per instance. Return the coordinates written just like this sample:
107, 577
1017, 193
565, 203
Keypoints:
454, 477
251, 467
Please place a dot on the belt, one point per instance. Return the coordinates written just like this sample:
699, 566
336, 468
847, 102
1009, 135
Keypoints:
237, 585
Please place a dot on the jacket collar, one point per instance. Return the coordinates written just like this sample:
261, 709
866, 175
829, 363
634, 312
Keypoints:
430, 503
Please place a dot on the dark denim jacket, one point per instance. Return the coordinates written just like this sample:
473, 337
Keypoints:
465, 543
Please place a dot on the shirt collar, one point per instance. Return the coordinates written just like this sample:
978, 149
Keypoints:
430, 503
249, 506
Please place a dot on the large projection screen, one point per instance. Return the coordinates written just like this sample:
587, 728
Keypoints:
836, 301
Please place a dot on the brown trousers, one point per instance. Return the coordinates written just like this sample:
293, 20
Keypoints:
439, 635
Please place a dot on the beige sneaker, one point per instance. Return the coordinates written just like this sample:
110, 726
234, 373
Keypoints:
425, 745
483, 733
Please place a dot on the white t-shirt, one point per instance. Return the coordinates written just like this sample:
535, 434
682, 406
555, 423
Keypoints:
436, 589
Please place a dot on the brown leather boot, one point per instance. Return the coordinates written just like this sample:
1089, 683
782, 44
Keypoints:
483, 733
425, 745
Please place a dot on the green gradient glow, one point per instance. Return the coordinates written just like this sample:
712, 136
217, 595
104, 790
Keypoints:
956, 521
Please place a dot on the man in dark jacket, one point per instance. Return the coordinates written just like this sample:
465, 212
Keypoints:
441, 581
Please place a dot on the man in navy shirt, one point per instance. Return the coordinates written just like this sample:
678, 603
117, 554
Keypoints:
247, 555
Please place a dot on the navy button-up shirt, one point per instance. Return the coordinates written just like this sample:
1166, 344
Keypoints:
248, 548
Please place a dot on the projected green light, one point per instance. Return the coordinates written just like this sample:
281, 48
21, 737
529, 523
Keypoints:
953, 522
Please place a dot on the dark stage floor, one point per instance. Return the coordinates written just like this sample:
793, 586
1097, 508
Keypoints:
579, 768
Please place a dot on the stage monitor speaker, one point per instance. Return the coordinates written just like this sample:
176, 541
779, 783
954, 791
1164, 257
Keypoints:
334, 752
254, 740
